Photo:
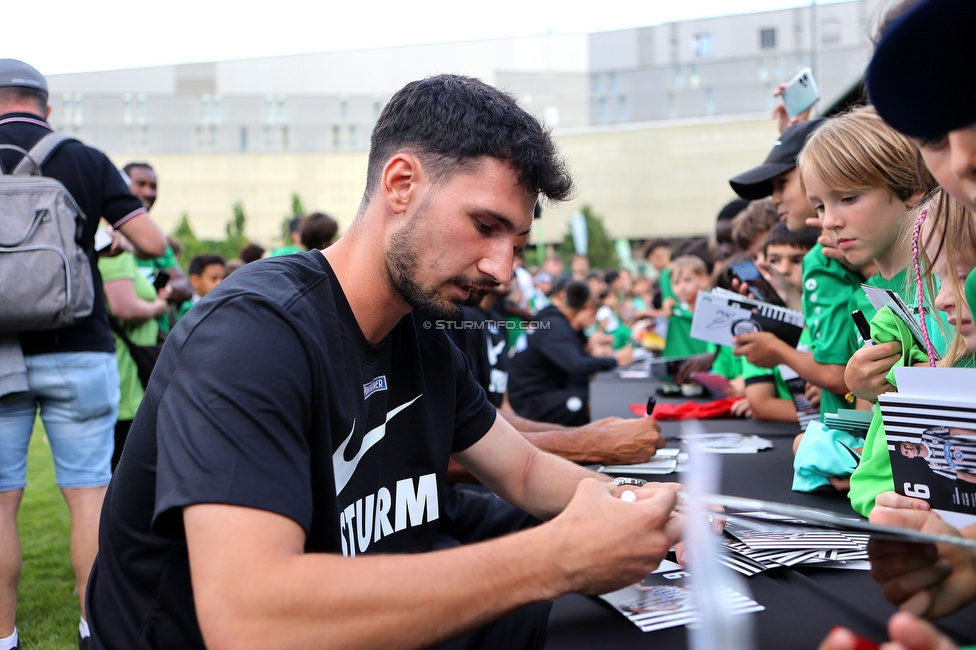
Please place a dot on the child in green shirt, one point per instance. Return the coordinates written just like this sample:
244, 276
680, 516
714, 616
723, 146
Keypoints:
689, 275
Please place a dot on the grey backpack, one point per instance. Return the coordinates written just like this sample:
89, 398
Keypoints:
45, 277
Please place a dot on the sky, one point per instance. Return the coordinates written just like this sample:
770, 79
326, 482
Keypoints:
83, 36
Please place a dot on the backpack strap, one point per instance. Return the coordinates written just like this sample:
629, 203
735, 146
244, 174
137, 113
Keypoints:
39, 153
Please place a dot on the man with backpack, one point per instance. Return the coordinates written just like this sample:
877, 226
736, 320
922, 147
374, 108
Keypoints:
61, 361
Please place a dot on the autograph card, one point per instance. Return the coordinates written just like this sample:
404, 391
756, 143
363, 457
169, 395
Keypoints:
720, 315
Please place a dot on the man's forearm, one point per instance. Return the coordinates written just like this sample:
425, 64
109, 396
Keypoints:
525, 425
390, 601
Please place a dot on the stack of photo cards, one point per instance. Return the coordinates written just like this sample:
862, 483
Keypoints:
720, 315
728, 443
930, 424
751, 547
852, 421
664, 599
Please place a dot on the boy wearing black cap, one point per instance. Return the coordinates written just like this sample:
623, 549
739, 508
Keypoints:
827, 284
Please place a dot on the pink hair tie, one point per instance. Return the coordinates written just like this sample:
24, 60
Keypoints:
916, 235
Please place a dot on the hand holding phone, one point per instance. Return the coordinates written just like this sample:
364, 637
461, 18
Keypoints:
161, 279
759, 286
801, 93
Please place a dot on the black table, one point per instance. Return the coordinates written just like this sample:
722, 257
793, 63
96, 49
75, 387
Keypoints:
802, 604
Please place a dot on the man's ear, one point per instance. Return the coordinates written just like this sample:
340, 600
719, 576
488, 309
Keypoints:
400, 182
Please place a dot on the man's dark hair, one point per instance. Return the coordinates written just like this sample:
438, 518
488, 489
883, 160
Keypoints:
295, 225
449, 121
128, 168
611, 276
251, 253
577, 294
202, 261
318, 231
781, 235
20, 94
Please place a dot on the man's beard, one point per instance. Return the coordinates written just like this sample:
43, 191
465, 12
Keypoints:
401, 268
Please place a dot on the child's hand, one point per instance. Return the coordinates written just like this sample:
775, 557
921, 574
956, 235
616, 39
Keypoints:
866, 372
668, 306
812, 394
741, 408
759, 348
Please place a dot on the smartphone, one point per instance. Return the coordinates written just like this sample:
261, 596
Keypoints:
103, 239
161, 279
759, 286
800, 93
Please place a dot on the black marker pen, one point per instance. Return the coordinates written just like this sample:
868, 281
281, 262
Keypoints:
862, 326
651, 403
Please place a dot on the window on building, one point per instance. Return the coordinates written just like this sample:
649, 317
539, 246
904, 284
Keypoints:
285, 140
198, 129
281, 115
693, 79
335, 137
141, 108
377, 109
709, 101
67, 109
763, 70
243, 143
218, 108
352, 136
830, 31
679, 77
268, 138
78, 112
343, 109
144, 136
127, 108
703, 44
212, 136
622, 113
603, 113
611, 81
767, 38
595, 82
269, 108
205, 108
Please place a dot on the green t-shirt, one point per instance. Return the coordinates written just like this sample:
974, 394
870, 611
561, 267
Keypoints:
827, 288
727, 364
286, 250
124, 267
680, 343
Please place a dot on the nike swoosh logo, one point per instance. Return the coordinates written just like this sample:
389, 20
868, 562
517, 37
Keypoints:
344, 469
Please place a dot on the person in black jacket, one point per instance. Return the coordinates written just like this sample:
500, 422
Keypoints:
549, 378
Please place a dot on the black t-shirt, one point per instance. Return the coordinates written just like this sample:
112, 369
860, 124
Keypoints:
267, 395
98, 189
554, 358
484, 348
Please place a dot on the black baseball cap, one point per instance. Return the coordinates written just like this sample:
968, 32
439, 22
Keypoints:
920, 77
17, 74
757, 183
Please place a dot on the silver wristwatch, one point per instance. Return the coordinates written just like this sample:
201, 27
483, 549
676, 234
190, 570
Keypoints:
626, 480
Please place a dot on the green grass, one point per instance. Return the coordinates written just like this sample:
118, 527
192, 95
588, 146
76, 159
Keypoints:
47, 608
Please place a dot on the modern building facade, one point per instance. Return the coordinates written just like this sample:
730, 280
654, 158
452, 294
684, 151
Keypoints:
653, 120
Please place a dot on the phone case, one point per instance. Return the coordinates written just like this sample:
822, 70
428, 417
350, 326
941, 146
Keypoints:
800, 93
